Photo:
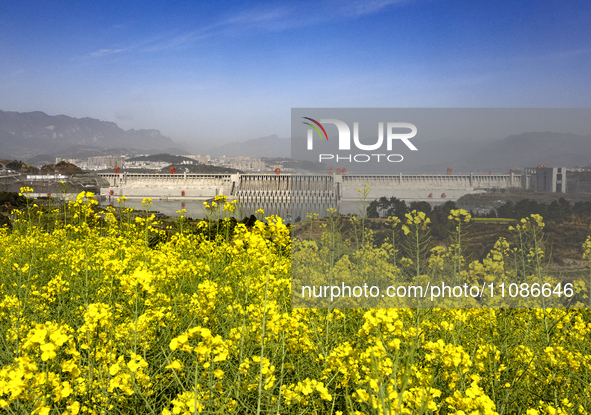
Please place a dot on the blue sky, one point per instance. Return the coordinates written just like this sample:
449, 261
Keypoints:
213, 72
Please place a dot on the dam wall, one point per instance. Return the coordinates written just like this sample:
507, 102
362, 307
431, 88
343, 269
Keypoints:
421, 186
305, 188
284, 188
200, 186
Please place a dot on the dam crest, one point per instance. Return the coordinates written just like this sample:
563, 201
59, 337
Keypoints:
307, 188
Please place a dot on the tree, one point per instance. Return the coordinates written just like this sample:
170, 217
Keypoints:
553, 211
421, 206
565, 207
399, 208
372, 209
383, 206
582, 208
526, 207
506, 210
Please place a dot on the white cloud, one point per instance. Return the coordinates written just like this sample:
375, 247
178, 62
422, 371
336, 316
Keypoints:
273, 18
358, 8
103, 52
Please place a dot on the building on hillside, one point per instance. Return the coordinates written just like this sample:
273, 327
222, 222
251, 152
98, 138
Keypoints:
106, 162
201, 159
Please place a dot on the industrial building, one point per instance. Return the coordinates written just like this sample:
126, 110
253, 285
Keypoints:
545, 179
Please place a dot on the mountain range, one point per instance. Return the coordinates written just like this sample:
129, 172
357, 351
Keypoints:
39, 138
523, 150
27, 134
528, 149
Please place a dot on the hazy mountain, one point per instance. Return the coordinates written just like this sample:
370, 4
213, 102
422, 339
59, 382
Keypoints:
27, 134
40, 138
524, 150
476, 155
462, 155
434, 155
271, 146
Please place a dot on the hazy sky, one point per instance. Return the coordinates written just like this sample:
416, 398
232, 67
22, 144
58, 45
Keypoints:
212, 72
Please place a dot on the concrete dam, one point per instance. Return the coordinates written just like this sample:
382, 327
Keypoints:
305, 188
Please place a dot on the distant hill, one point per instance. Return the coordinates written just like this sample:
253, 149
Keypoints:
462, 155
524, 150
18, 166
271, 146
28, 134
63, 167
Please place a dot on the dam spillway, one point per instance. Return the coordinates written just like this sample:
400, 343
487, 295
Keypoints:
285, 188
305, 188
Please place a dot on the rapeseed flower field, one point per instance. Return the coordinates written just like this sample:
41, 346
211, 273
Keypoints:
111, 312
